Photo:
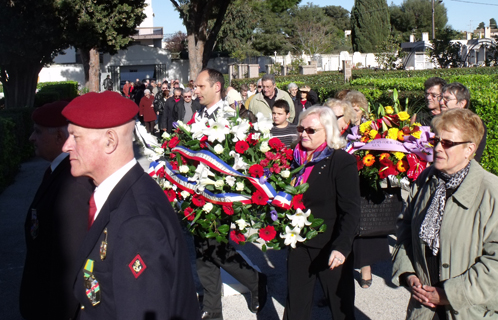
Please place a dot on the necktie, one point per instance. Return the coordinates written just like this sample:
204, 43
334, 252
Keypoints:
206, 114
91, 211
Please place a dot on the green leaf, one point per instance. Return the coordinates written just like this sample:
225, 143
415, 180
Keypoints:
316, 223
323, 228
302, 188
263, 248
211, 234
224, 228
311, 234
290, 190
252, 237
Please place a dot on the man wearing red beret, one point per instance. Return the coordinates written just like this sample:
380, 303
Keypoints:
55, 224
133, 263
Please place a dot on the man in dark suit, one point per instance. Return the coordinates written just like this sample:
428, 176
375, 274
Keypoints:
133, 263
186, 107
169, 107
212, 255
55, 225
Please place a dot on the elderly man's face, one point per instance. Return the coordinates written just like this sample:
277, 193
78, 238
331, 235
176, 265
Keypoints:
85, 150
449, 101
268, 88
293, 92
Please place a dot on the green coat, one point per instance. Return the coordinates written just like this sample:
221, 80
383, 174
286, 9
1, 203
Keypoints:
259, 104
468, 245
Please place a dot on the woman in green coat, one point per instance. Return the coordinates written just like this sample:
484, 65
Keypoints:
447, 248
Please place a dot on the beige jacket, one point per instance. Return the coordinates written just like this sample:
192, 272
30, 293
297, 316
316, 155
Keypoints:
468, 245
259, 104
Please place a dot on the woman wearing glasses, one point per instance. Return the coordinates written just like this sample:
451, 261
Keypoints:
447, 248
333, 195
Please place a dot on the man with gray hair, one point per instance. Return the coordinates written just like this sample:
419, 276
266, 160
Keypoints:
264, 101
185, 109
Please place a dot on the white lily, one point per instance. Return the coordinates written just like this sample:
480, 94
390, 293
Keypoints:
240, 131
197, 129
300, 218
230, 180
217, 130
264, 124
292, 236
201, 172
238, 162
242, 224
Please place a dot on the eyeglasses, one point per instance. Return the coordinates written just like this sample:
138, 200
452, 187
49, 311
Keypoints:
338, 117
433, 95
301, 129
178, 97
259, 86
446, 143
446, 100
185, 97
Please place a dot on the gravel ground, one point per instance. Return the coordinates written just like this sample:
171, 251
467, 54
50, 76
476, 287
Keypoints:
381, 301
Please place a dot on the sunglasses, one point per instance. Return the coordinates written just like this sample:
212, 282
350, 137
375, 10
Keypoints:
259, 86
185, 97
301, 129
446, 143
178, 96
338, 117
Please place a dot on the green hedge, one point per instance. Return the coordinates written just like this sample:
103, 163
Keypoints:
53, 91
15, 128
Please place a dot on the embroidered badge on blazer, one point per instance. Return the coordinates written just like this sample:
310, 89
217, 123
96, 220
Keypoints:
137, 266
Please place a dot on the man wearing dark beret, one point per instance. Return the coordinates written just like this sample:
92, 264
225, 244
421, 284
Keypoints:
55, 225
133, 263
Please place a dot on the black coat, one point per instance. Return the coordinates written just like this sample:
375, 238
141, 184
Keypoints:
140, 224
334, 195
179, 109
61, 205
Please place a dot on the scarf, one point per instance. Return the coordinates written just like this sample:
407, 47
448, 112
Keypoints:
301, 158
431, 226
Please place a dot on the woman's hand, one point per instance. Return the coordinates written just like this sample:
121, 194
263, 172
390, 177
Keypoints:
336, 259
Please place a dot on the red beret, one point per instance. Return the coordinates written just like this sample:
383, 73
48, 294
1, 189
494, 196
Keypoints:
49, 115
100, 110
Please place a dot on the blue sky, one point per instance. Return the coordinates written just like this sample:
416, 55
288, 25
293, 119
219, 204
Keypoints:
463, 15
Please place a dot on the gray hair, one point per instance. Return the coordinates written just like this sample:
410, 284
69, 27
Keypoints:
292, 85
357, 98
146, 91
347, 109
329, 123
188, 90
268, 77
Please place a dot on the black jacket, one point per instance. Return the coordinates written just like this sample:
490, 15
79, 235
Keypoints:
179, 109
141, 225
55, 226
334, 195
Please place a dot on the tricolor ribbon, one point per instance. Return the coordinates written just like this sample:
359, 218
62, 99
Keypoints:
282, 200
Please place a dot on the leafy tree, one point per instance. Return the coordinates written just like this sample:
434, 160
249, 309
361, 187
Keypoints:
369, 24
176, 43
415, 16
481, 25
31, 33
390, 53
340, 17
492, 23
105, 26
445, 53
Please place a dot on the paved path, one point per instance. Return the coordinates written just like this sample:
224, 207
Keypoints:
382, 301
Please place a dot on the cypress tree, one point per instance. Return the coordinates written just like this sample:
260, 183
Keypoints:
370, 24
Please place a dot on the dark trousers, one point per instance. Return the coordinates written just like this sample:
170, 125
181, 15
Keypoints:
304, 264
210, 257
149, 126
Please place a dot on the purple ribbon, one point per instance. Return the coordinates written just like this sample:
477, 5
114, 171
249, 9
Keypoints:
421, 146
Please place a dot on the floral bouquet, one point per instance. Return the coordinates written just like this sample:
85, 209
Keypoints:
224, 172
390, 147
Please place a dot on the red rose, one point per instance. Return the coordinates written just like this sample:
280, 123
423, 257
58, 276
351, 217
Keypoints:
173, 142
275, 143
237, 237
289, 154
264, 162
359, 163
259, 198
198, 201
241, 146
189, 214
297, 202
170, 194
228, 210
256, 171
267, 233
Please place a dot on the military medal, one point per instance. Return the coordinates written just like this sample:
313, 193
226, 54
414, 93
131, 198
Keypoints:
92, 287
34, 224
103, 246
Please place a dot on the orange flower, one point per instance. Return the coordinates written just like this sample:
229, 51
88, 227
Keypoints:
365, 139
368, 160
384, 156
402, 166
401, 136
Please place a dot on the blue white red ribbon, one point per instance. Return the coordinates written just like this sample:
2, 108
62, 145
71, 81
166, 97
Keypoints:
282, 200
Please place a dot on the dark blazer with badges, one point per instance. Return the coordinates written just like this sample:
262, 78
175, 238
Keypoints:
52, 239
146, 272
334, 195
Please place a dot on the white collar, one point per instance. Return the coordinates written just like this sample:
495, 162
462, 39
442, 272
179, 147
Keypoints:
214, 107
58, 161
105, 188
